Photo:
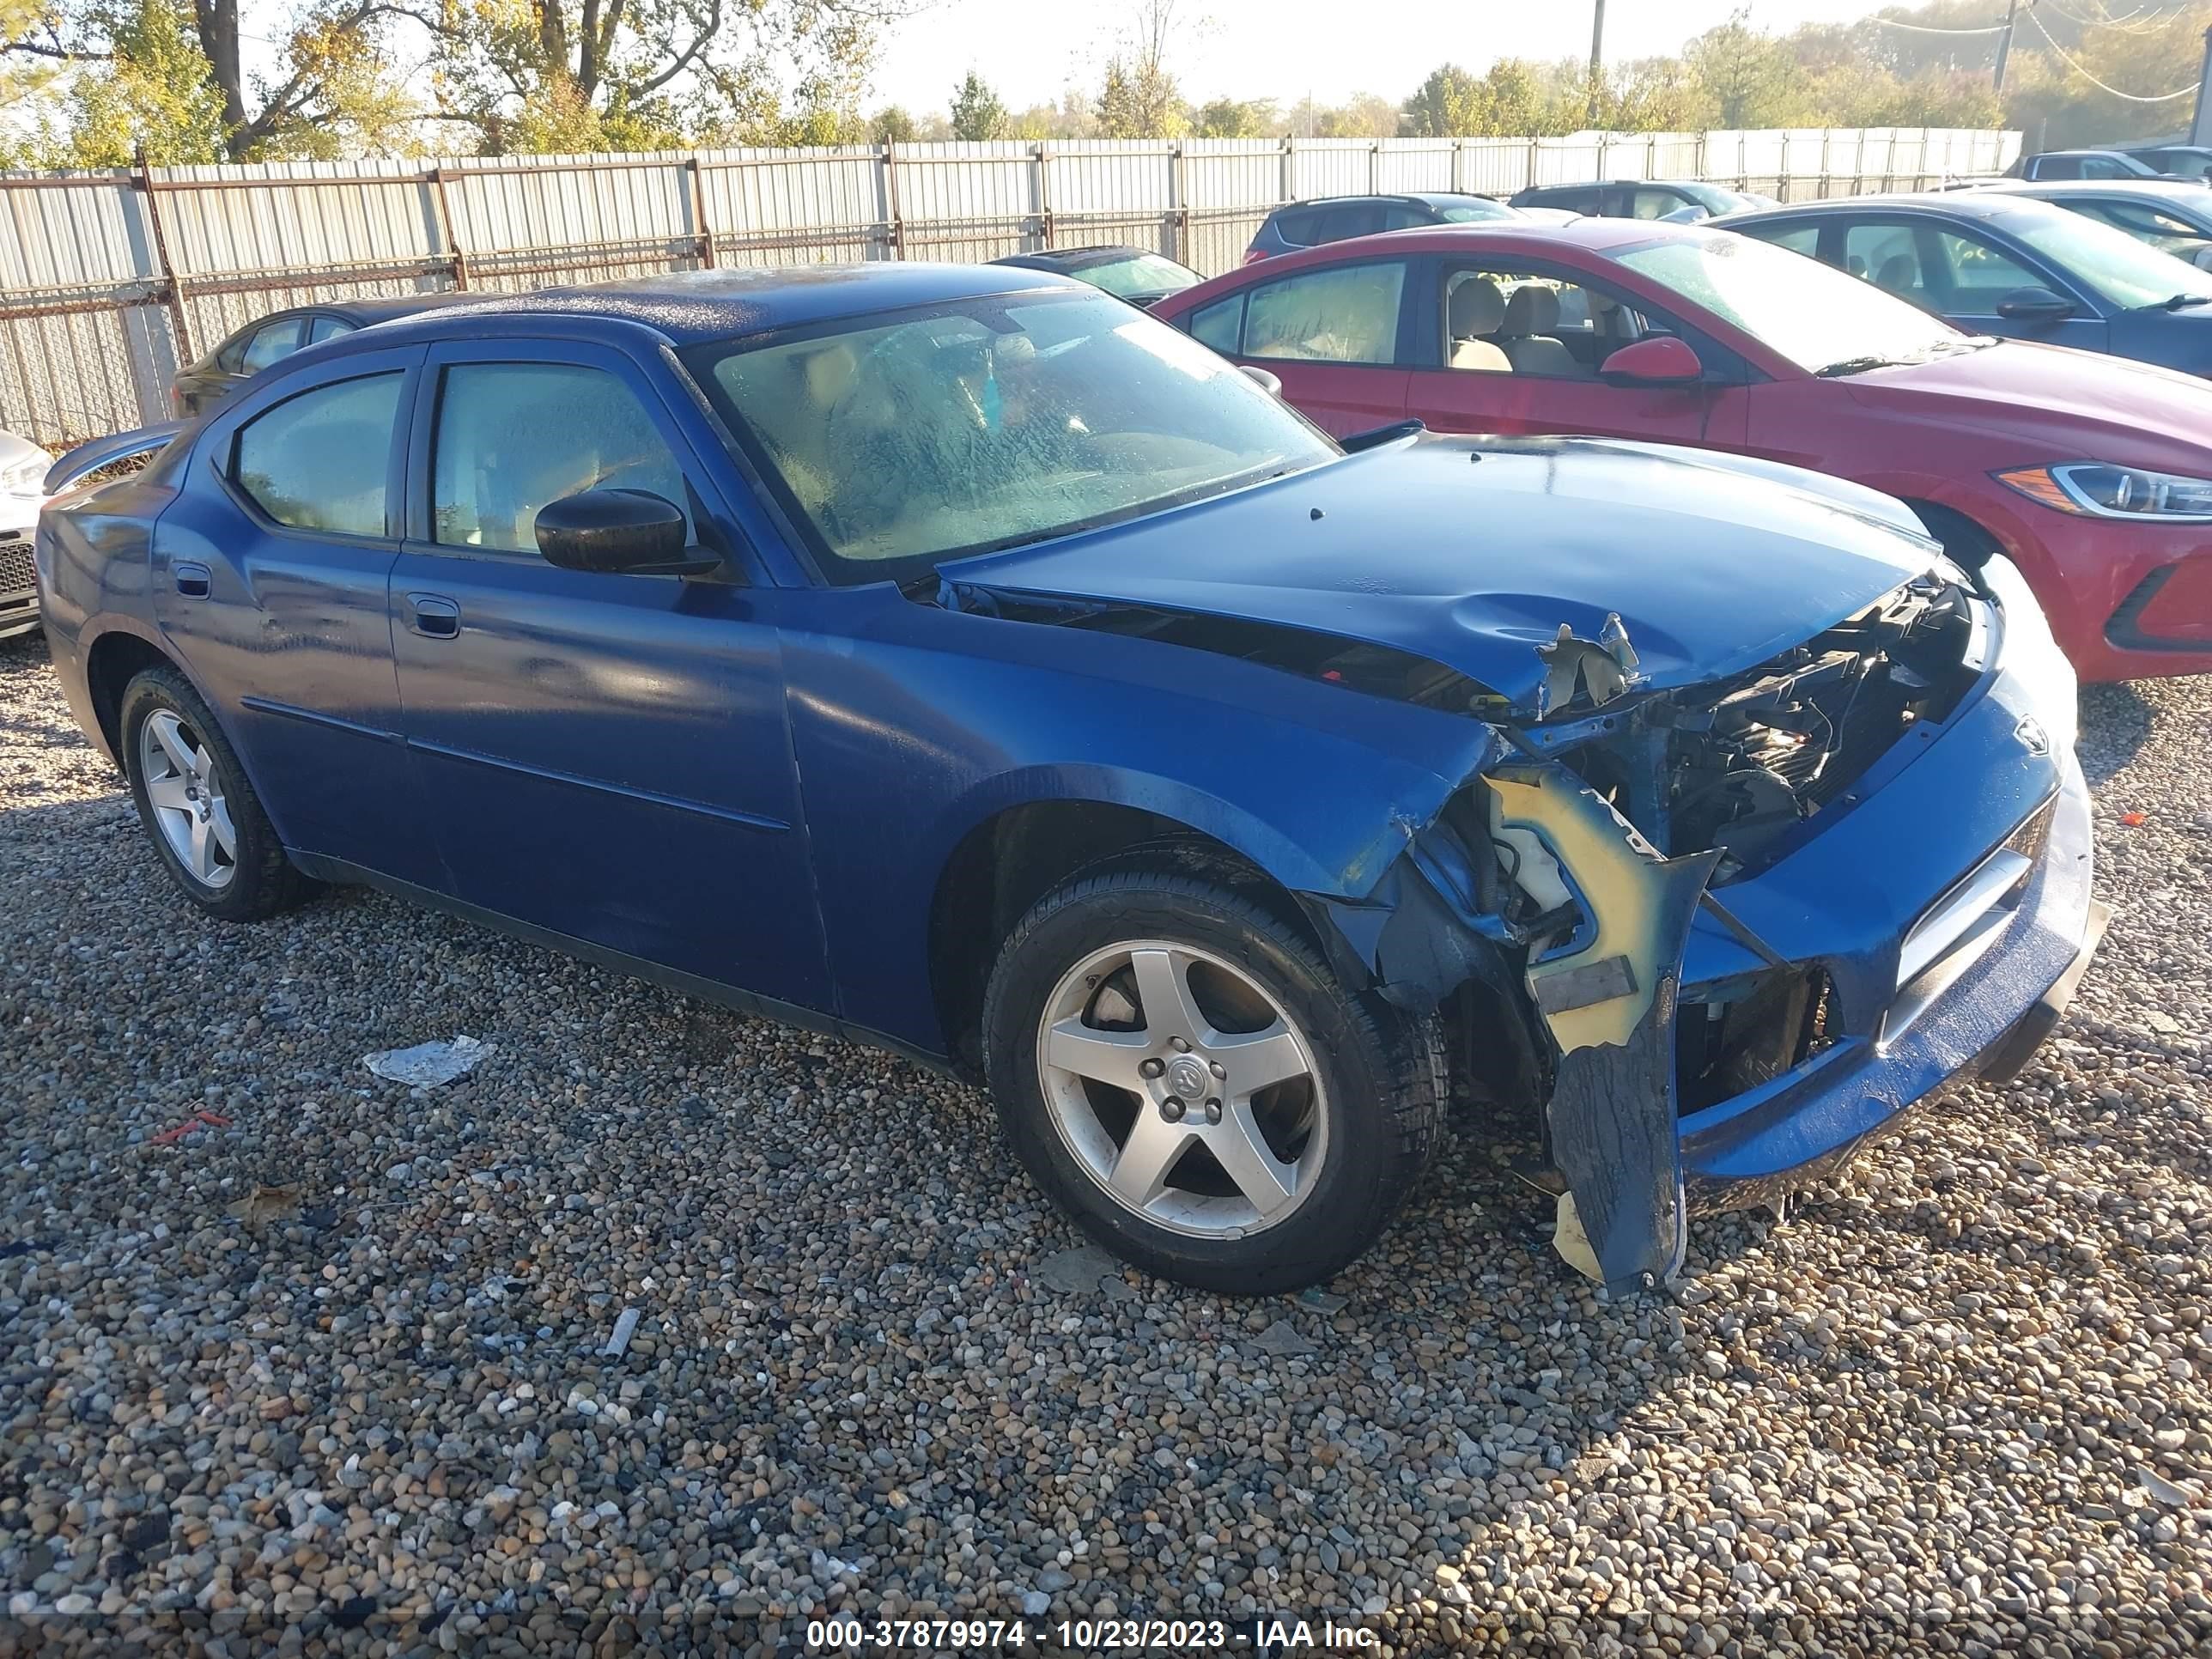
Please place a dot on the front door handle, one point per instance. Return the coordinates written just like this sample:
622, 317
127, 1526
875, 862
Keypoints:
194, 581
434, 616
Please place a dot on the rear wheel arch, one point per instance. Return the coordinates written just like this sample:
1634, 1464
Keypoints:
113, 660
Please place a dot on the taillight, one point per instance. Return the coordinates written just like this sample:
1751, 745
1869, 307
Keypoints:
1253, 255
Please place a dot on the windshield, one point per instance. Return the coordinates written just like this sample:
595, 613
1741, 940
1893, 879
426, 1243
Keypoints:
1812, 313
1467, 212
901, 440
1141, 273
2123, 270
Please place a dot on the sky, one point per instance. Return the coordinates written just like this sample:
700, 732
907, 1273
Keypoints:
1030, 49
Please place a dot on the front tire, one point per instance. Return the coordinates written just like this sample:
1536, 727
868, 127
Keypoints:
199, 809
1178, 1069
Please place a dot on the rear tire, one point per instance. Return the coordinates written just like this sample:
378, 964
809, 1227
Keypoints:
1177, 1068
199, 809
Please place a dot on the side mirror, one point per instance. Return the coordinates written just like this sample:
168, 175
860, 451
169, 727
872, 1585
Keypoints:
623, 531
2034, 305
2203, 258
1268, 381
1663, 360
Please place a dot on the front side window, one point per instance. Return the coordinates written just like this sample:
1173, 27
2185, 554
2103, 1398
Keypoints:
1503, 321
900, 441
1977, 275
1346, 315
1220, 324
512, 437
319, 461
271, 344
1649, 204
1809, 313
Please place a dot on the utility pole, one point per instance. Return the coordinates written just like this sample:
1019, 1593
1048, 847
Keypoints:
2200, 129
1597, 56
2004, 46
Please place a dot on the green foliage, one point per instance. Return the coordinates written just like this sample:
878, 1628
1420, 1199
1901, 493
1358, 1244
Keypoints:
890, 125
977, 114
1231, 118
157, 91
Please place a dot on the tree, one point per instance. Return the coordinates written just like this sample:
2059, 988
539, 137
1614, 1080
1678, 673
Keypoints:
1450, 104
976, 112
1228, 118
651, 74
890, 125
1140, 99
169, 77
1747, 73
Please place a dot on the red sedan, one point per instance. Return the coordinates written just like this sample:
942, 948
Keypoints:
2092, 474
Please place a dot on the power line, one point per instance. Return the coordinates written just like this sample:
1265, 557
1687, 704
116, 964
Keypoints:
1915, 28
2132, 98
2150, 24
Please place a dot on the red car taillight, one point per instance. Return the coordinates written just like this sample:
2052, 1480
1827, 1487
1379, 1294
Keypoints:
1253, 255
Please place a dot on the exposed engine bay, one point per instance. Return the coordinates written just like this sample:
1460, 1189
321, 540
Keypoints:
1739, 765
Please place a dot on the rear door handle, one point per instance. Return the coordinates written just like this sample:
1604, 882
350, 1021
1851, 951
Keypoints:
434, 616
194, 581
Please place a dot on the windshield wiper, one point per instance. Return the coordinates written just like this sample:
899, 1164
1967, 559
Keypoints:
1859, 366
2180, 300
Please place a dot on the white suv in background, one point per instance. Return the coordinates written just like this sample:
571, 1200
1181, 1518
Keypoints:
22, 488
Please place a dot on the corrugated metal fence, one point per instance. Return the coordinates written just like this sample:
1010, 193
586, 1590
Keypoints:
109, 280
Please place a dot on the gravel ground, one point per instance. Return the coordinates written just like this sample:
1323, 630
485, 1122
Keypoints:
325, 1375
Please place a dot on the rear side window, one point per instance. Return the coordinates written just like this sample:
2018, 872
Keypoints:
1337, 223
1219, 325
319, 461
328, 328
1798, 239
2057, 167
1574, 201
512, 437
275, 342
1346, 315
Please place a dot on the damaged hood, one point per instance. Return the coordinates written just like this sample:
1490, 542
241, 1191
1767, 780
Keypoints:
1474, 553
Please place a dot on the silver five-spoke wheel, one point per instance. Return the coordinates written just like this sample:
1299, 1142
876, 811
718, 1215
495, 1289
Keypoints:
187, 798
1182, 1088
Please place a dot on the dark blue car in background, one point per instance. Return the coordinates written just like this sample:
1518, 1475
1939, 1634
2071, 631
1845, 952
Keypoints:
958, 658
1996, 262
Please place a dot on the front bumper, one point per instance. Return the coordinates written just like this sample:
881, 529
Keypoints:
2127, 600
1851, 903
19, 588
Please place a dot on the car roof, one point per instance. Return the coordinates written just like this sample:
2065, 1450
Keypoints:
1425, 197
1077, 258
1985, 202
2177, 190
384, 307
688, 307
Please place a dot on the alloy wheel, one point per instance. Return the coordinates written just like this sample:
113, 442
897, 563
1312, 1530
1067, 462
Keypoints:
187, 798
1183, 1089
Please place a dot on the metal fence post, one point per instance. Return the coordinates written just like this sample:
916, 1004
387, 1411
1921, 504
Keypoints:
1531, 162
1179, 201
176, 284
1287, 187
446, 228
699, 213
892, 201
1044, 194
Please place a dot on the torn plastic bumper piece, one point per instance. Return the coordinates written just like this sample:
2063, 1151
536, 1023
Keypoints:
1609, 1001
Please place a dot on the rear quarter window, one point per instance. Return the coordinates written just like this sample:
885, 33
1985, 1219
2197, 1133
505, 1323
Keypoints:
1220, 324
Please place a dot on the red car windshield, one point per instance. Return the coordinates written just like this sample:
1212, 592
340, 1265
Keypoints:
1812, 313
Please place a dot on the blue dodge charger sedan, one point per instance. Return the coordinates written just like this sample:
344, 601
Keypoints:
957, 658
